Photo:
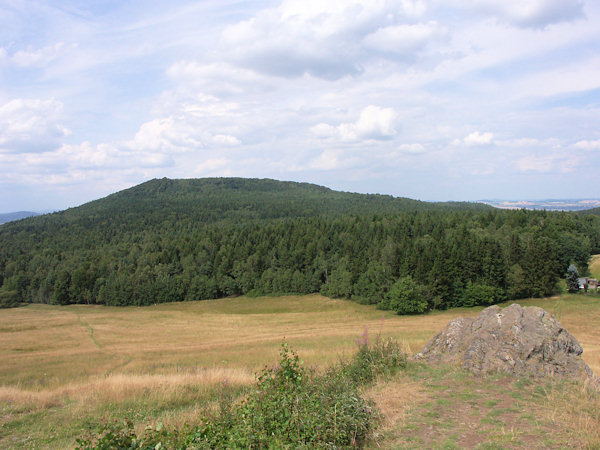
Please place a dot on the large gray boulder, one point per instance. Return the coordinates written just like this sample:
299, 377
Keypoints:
518, 340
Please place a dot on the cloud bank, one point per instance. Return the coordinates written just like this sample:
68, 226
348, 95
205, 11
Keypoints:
429, 99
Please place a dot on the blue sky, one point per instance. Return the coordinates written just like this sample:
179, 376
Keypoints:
428, 99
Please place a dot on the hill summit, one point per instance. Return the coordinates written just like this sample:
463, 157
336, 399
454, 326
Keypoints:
208, 200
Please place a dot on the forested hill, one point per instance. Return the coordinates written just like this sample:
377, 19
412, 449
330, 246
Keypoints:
211, 200
172, 240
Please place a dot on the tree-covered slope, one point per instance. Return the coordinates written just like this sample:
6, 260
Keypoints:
593, 211
170, 240
211, 200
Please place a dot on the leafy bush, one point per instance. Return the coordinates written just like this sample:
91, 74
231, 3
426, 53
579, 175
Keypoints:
293, 407
406, 296
380, 357
482, 294
290, 407
8, 299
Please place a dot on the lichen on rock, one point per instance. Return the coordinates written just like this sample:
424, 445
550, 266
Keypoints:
518, 340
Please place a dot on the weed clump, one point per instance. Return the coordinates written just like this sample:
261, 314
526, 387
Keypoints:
289, 407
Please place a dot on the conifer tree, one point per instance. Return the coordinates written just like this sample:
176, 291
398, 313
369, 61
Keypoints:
572, 279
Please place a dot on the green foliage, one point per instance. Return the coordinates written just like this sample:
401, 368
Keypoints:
572, 279
290, 407
8, 299
517, 285
175, 240
407, 297
374, 359
61, 294
372, 285
109, 435
293, 407
339, 283
120, 435
482, 294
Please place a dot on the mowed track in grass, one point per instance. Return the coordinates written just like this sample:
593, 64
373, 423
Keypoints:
63, 367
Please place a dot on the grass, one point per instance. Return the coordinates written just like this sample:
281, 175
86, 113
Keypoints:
65, 367
595, 266
481, 412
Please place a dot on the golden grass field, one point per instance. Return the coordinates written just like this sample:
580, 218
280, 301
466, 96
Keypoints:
65, 367
595, 266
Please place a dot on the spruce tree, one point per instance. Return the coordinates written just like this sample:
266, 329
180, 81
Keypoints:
572, 279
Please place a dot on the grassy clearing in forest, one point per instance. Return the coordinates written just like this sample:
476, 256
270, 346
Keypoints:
64, 368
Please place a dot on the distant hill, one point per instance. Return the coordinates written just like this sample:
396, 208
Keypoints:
9, 217
167, 202
210, 200
172, 240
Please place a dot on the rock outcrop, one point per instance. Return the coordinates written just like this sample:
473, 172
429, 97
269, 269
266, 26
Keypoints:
518, 340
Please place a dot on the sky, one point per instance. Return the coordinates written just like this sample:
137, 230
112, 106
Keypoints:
427, 99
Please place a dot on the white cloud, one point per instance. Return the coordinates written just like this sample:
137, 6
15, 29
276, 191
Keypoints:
214, 166
31, 125
404, 39
521, 142
330, 159
527, 13
533, 163
476, 138
218, 78
322, 38
323, 130
412, 148
166, 134
87, 156
187, 131
374, 123
279, 89
588, 145
36, 58
550, 163
226, 140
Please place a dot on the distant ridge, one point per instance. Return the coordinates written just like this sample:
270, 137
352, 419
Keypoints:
209, 200
9, 217
547, 204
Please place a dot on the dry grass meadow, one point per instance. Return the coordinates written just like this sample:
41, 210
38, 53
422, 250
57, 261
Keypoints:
64, 368
595, 266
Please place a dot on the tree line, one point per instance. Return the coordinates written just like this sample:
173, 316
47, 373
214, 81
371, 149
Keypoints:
406, 261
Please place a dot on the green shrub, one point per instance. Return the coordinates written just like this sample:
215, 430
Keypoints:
482, 294
406, 296
290, 407
372, 359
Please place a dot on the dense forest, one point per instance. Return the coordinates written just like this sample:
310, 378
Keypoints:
594, 211
174, 240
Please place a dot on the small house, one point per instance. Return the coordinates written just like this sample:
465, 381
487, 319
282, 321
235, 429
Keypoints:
587, 283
